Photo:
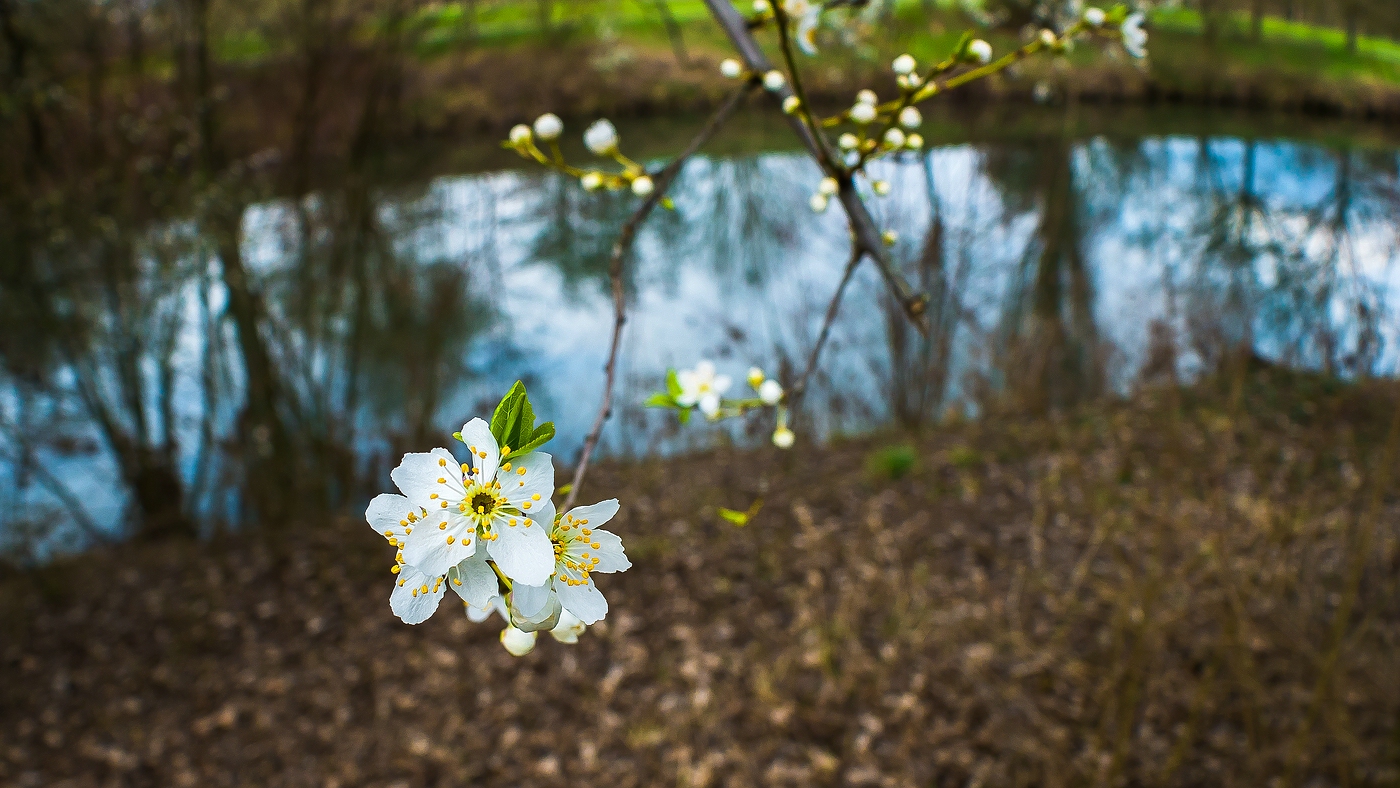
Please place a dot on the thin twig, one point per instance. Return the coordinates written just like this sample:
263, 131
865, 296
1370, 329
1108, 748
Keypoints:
862, 224
800, 387
620, 249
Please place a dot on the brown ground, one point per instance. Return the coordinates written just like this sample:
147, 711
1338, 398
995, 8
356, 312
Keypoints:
1193, 588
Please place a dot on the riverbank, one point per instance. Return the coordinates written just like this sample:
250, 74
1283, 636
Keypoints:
1196, 587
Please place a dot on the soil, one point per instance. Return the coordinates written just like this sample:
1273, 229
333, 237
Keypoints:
1194, 587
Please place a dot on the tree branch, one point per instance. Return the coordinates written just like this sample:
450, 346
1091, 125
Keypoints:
862, 224
800, 387
620, 250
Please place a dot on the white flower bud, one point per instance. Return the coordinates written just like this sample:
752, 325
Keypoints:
910, 118
980, 50
863, 113
894, 138
1047, 37
914, 142
771, 392
867, 97
761, 6
880, 187
818, 202
592, 181
828, 186
890, 237
601, 138
569, 627
774, 80
848, 141
517, 642
796, 8
1042, 92
1094, 16
642, 186
791, 104
756, 377
548, 126
731, 68
519, 134
904, 64
783, 438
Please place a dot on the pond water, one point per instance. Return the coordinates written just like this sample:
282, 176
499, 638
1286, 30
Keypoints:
388, 308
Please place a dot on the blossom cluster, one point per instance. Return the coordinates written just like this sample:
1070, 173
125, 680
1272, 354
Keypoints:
488, 530
601, 139
702, 388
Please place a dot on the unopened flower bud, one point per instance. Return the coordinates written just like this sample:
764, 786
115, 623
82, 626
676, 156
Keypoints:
828, 186
890, 237
642, 186
818, 202
914, 142
519, 134
894, 138
980, 51
910, 118
881, 187
774, 80
863, 113
1047, 37
517, 642
1094, 16
592, 181
783, 438
867, 97
731, 68
601, 137
771, 392
848, 141
548, 126
756, 377
904, 64
791, 104
761, 6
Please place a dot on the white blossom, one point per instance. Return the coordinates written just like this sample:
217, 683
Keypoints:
518, 643
914, 141
755, 378
980, 50
863, 113
774, 80
783, 438
581, 549
867, 96
791, 104
592, 181
761, 6
1094, 16
519, 134
548, 126
417, 593
770, 391
601, 137
1048, 37
569, 628
1134, 37
828, 186
904, 64
848, 141
818, 202
498, 500
702, 387
731, 68
911, 118
881, 188
894, 138
642, 186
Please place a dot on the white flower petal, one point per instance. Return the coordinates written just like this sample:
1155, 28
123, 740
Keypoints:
532, 476
609, 552
583, 600
386, 515
486, 455
721, 383
434, 549
523, 552
480, 614
474, 581
595, 513
544, 618
568, 629
429, 478
529, 600
416, 595
709, 405
518, 643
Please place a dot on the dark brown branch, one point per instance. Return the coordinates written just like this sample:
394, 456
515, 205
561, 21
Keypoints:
862, 224
620, 250
800, 387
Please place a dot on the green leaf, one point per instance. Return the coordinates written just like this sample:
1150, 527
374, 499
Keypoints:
684, 415
510, 425
668, 204
673, 383
498, 419
738, 518
660, 400
540, 436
